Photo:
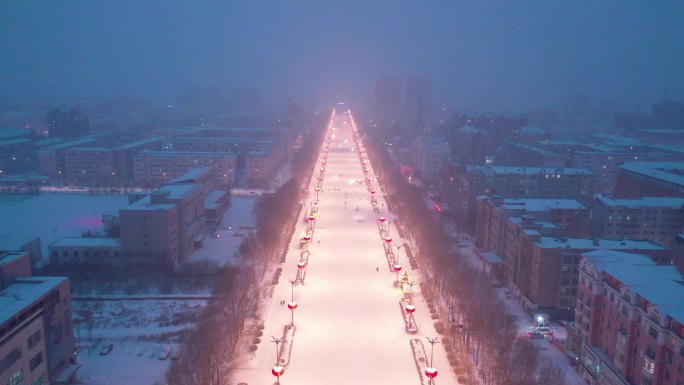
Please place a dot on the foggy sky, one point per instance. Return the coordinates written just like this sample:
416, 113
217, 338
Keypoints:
504, 55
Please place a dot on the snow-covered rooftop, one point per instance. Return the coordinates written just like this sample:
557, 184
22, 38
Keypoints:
88, 242
671, 172
542, 204
659, 284
581, 243
23, 292
530, 170
673, 203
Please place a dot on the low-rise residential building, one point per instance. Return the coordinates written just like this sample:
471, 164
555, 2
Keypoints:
650, 179
545, 273
262, 165
155, 168
428, 155
461, 185
86, 252
630, 320
36, 331
658, 219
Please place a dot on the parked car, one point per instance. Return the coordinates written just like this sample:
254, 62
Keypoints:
545, 331
106, 349
176, 354
165, 354
534, 334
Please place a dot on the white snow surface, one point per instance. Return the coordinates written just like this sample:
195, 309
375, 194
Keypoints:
54, 216
349, 326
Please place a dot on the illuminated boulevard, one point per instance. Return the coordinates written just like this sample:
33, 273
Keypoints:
349, 324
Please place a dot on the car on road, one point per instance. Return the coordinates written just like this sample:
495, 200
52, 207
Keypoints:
165, 354
534, 334
106, 349
175, 355
544, 330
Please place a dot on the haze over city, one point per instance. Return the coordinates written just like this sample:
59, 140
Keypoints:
350, 192
493, 56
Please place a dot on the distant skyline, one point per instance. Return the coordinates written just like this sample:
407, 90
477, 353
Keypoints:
493, 55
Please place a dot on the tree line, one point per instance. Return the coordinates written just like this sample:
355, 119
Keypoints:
218, 337
483, 325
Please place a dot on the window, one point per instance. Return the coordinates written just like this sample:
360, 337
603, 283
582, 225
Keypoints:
33, 339
12, 357
36, 361
16, 377
652, 332
40, 380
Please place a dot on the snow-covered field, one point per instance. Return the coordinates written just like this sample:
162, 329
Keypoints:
234, 226
128, 363
145, 319
349, 326
54, 216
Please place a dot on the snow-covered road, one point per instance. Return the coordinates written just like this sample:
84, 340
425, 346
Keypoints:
349, 325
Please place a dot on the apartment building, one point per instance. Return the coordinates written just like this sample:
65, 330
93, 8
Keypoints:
658, 219
36, 336
630, 320
650, 179
462, 184
156, 168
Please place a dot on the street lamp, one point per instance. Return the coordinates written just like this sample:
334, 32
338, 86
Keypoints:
277, 371
430, 371
277, 342
397, 269
292, 305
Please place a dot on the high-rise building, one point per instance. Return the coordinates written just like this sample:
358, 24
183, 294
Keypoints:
387, 103
418, 107
67, 124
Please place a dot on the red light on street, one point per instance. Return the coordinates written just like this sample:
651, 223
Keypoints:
292, 305
278, 370
410, 308
301, 265
397, 267
431, 372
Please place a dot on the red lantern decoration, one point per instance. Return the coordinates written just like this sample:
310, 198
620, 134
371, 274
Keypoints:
372, 191
410, 308
388, 239
301, 264
307, 238
312, 218
292, 305
278, 370
397, 267
431, 372
381, 219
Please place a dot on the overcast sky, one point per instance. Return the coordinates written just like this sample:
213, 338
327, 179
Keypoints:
504, 55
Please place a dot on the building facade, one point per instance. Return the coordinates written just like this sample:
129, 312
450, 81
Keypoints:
630, 319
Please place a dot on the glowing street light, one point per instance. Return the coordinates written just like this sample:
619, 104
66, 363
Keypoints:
292, 305
278, 371
397, 269
430, 371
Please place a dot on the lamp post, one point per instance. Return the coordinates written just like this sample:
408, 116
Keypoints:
431, 372
312, 220
277, 343
397, 269
292, 305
